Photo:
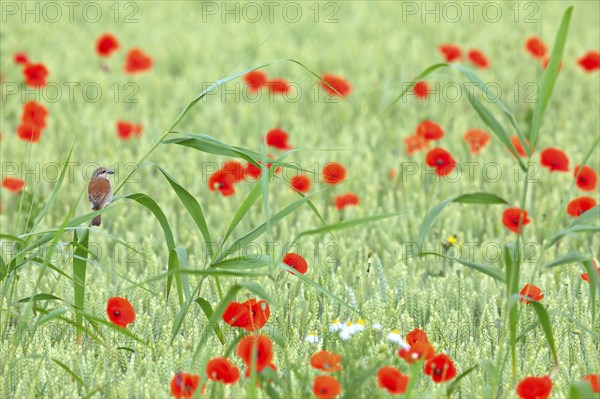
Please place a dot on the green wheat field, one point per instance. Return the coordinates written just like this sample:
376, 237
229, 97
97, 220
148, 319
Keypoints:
419, 251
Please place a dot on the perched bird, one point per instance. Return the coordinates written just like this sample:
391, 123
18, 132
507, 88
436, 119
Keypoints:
99, 191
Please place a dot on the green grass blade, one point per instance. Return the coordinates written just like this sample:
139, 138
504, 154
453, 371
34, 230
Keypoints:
486, 269
179, 319
473, 198
544, 320
70, 372
39, 297
512, 263
581, 390
570, 257
490, 120
346, 224
79, 274
549, 77
319, 288
243, 209
210, 145
244, 262
572, 230
208, 311
192, 206
593, 283
420, 76
258, 231
55, 191
450, 389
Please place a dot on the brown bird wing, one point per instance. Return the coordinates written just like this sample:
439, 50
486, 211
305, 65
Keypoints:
98, 190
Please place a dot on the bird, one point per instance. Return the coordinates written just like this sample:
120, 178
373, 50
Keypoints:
99, 191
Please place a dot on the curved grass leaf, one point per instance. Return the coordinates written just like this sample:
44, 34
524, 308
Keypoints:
318, 287
258, 231
544, 319
582, 390
488, 270
570, 257
55, 191
454, 383
571, 230
179, 319
490, 120
472, 77
512, 262
420, 76
79, 274
594, 280
71, 372
346, 224
192, 206
473, 198
208, 311
244, 262
39, 297
549, 77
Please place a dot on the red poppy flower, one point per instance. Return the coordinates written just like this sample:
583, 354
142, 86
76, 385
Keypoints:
345, 200
430, 130
415, 143
392, 380
220, 369
535, 388
342, 88
536, 47
326, 387
511, 218
125, 130
29, 131
296, 262
223, 181
518, 145
300, 183
587, 178
255, 80
441, 160
415, 336
440, 368
580, 205
421, 89
555, 160
35, 75
417, 351
531, 291
235, 169
594, 380
120, 311
251, 315
137, 61
252, 171
35, 113
586, 276
590, 61
450, 52
183, 385
13, 184
477, 139
277, 138
278, 86
106, 45
326, 361
21, 58
333, 173
261, 345
478, 59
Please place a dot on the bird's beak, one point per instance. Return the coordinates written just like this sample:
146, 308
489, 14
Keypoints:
111, 172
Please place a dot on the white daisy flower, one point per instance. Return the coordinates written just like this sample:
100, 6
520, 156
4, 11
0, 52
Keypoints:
395, 337
335, 326
312, 338
359, 326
